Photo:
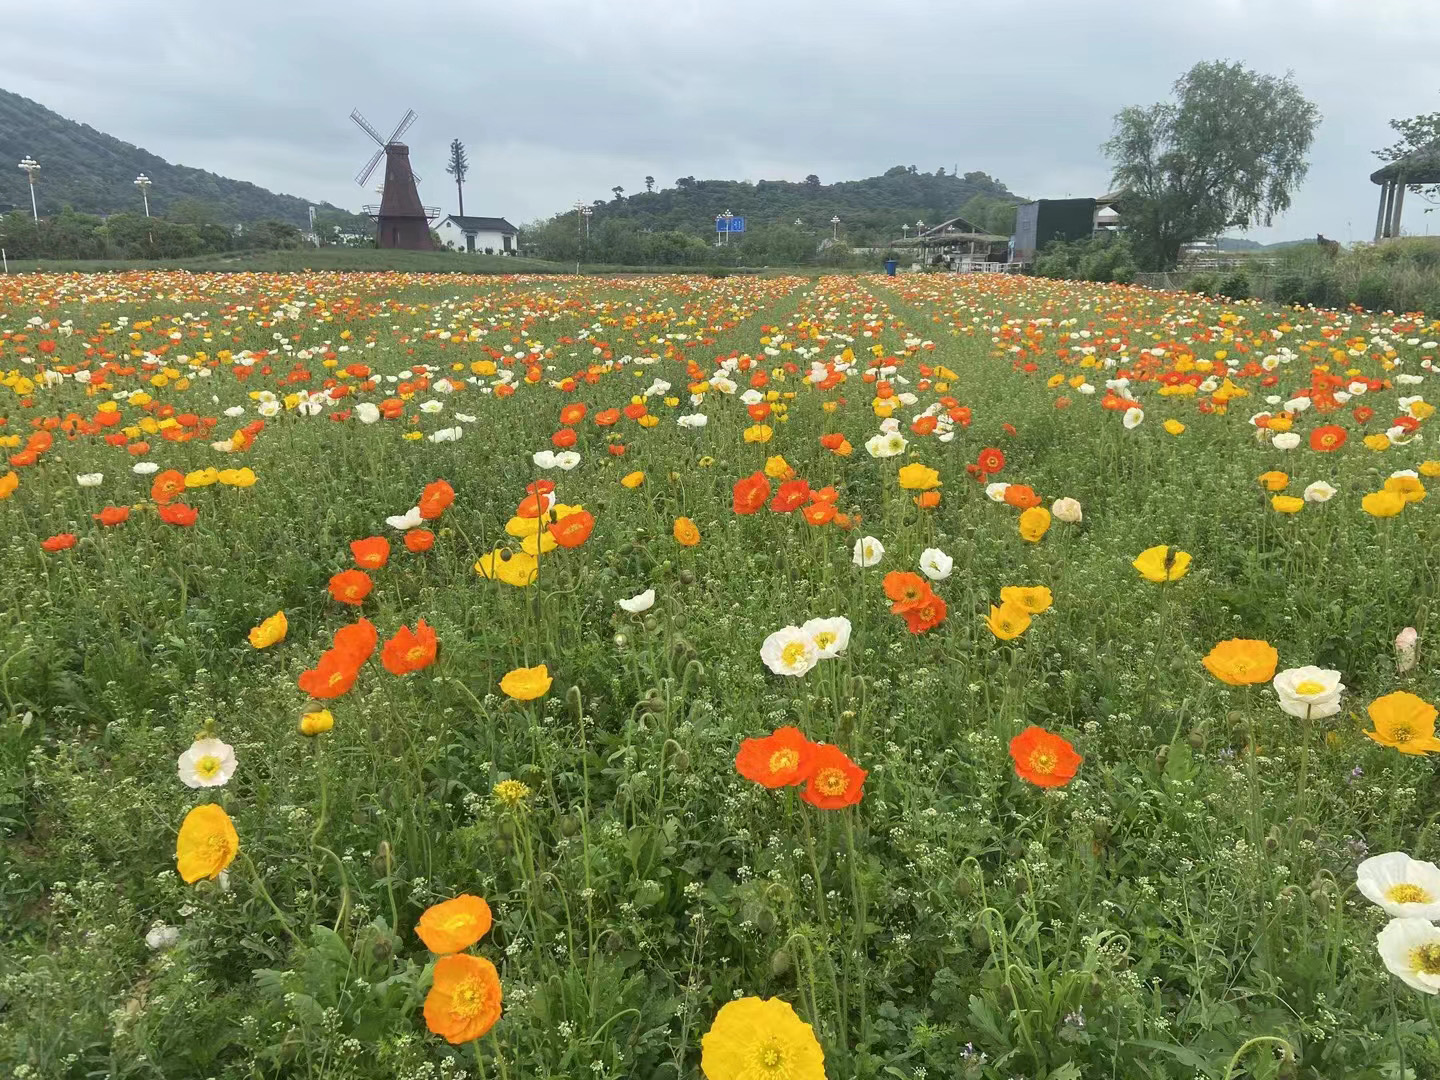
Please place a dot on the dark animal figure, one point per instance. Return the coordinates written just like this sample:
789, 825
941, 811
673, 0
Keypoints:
1332, 247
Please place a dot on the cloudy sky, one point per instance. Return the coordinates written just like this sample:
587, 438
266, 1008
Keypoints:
563, 99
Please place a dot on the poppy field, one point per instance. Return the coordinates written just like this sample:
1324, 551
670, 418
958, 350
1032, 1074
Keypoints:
741, 678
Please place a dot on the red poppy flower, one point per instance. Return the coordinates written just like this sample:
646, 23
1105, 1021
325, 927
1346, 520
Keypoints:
759, 411
573, 413
418, 540
991, 460
540, 487
436, 499
564, 437
1044, 759
834, 780
780, 759
409, 650
925, 425
1328, 438
607, 417
573, 529
750, 493
371, 553
1363, 413
59, 542
792, 495
351, 587
178, 514
113, 515
634, 410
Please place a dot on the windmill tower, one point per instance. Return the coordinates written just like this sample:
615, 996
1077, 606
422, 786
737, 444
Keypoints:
401, 220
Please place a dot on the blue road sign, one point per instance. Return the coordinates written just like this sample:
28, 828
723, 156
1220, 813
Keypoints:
737, 224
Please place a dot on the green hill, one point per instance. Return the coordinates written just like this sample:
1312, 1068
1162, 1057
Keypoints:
666, 225
95, 173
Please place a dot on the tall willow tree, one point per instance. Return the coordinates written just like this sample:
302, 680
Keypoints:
1228, 152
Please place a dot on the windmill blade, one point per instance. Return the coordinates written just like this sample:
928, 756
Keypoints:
364, 174
404, 125
366, 126
414, 176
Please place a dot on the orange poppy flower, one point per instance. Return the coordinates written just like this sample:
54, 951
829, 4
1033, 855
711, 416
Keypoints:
750, 493
357, 641
927, 500
924, 614
573, 413
351, 586
464, 999
780, 759
634, 410
1021, 496
418, 540
178, 514
1328, 438
759, 411
334, 675
371, 553
792, 495
59, 542
686, 533
818, 513
436, 499
904, 588
564, 437
167, 486
573, 529
991, 460
453, 925
113, 515
410, 651
1044, 759
834, 781
607, 417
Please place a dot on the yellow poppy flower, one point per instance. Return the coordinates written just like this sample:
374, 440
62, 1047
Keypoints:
1405, 722
1160, 564
207, 843
526, 684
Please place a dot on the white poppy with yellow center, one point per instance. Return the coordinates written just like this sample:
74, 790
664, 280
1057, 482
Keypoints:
1411, 950
1406, 888
208, 763
1309, 691
789, 651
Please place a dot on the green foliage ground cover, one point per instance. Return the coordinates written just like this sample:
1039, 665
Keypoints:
1185, 894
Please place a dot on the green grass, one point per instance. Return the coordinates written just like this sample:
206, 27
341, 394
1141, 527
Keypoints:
1190, 891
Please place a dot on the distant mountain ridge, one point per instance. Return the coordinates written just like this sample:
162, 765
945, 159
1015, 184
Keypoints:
95, 173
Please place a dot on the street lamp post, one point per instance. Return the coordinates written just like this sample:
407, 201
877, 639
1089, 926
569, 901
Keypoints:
905, 230
31, 167
585, 213
143, 183
726, 217
835, 228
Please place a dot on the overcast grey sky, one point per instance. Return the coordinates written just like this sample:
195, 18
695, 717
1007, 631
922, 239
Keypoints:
562, 99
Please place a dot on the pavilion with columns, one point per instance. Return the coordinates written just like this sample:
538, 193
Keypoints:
1418, 167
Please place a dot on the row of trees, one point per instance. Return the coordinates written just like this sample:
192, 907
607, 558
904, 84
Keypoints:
71, 235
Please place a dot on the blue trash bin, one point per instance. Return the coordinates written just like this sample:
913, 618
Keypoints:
890, 265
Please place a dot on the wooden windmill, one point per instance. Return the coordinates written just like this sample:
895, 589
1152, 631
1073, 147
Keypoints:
401, 221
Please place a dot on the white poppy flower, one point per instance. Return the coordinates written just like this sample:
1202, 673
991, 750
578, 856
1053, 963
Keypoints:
431, 406
751, 397
567, 460
1086, 388
889, 424
640, 602
465, 418
543, 459
411, 519
1067, 510
1286, 440
829, 636
1309, 691
789, 651
868, 551
449, 434
1406, 888
208, 763
935, 564
693, 420
995, 491
367, 412
1132, 418
234, 411
144, 468
1410, 948
90, 479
